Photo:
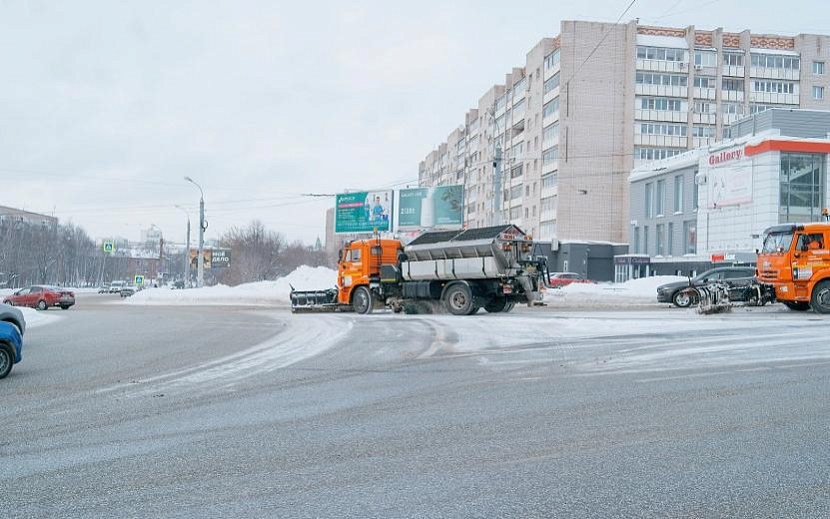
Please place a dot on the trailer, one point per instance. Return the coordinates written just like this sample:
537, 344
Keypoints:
492, 268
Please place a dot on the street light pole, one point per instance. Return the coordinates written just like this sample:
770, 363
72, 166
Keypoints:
187, 250
200, 272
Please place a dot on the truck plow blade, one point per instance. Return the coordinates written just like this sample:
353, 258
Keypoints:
314, 301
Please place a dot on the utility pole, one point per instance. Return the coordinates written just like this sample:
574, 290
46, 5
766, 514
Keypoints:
187, 250
200, 272
499, 196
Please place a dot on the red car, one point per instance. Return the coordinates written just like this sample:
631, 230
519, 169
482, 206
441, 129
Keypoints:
561, 279
41, 297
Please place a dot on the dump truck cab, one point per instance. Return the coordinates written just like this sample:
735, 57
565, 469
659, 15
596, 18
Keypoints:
795, 259
360, 266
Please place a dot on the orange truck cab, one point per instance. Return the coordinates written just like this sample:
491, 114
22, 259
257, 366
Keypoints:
795, 259
360, 265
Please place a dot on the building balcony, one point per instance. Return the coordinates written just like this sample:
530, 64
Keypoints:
733, 95
670, 141
661, 115
654, 65
702, 142
549, 73
550, 167
661, 90
700, 70
774, 73
549, 214
773, 98
704, 118
550, 95
733, 71
731, 118
547, 121
703, 93
549, 191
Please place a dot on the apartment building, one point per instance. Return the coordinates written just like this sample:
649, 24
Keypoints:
551, 148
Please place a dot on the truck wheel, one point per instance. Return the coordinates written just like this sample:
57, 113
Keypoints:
363, 301
459, 300
496, 305
798, 306
820, 300
683, 298
6, 359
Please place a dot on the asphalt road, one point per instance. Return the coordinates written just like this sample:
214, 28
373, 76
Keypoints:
126, 411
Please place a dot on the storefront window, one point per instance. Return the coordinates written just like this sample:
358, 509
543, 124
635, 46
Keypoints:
803, 181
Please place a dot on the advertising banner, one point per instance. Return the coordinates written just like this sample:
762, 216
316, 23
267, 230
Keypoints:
363, 212
730, 178
221, 258
194, 255
431, 207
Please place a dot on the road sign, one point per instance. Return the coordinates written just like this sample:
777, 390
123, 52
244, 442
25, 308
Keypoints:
109, 246
139, 280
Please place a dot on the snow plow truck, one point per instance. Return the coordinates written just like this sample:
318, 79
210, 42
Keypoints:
491, 268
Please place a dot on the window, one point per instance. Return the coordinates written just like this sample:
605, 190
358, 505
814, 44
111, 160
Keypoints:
773, 87
549, 180
678, 193
649, 200
519, 110
690, 237
551, 59
521, 86
663, 129
703, 132
500, 102
733, 85
645, 239
818, 92
775, 61
704, 107
516, 172
704, 82
515, 213
548, 229
660, 240
549, 135
551, 83
732, 108
734, 59
549, 156
635, 233
548, 204
818, 68
649, 78
551, 107
661, 196
662, 103
661, 54
516, 192
706, 58
802, 187
695, 193
655, 153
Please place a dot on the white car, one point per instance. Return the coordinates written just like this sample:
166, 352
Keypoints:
116, 286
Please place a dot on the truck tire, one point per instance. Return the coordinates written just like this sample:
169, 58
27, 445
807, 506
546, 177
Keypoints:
820, 299
459, 300
6, 359
363, 302
798, 306
496, 305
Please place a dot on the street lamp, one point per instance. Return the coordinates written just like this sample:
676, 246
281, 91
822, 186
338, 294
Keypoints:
200, 273
187, 250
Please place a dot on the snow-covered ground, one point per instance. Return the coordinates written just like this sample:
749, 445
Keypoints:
639, 292
34, 318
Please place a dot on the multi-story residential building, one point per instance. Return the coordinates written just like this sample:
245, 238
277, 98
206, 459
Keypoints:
552, 147
12, 215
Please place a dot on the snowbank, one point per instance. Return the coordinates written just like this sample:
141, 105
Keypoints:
259, 293
641, 291
35, 319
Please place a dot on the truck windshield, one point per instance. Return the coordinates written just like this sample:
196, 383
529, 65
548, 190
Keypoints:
777, 242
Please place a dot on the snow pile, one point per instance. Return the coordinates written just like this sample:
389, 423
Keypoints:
641, 291
259, 293
35, 318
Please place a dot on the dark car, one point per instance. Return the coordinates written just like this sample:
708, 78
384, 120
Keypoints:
11, 315
11, 348
563, 279
41, 297
128, 291
734, 277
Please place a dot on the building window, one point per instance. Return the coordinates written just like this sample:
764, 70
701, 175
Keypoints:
678, 194
645, 239
551, 59
704, 107
802, 187
516, 172
704, 82
670, 239
677, 130
649, 200
550, 156
550, 108
733, 85
661, 54
706, 58
548, 204
516, 192
703, 132
695, 193
662, 103
547, 230
515, 213
732, 109
660, 240
551, 83
549, 180
635, 233
549, 135
690, 237
654, 78
655, 153
661, 196
734, 59
818, 68
773, 87
818, 92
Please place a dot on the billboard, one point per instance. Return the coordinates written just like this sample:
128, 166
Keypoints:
214, 258
430, 207
363, 212
730, 178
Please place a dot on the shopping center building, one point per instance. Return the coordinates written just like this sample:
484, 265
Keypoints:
712, 204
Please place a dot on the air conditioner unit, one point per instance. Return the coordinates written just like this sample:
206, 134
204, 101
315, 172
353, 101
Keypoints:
698, 67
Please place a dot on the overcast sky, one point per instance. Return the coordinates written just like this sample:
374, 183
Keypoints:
107, 105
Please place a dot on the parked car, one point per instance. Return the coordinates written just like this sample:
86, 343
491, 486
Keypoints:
104, 289
127, 291
561, 279
42, 297
736, 278
116, 286
11, 348
11, 315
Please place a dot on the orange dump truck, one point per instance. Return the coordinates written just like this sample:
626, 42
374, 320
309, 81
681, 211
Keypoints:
795, 259
491, 268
